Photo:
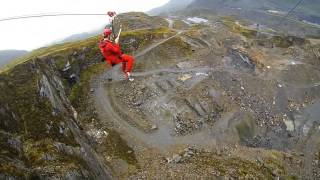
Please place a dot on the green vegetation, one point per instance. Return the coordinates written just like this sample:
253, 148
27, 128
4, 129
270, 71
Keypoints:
182, 46
30, 118
133, 40
9, 168
238, 167
246, 128
117, 147
168, 53
287, 41
21, 94
78, 95
282, 41
178, 24
36, 153
141, 21
58, 49
236, 27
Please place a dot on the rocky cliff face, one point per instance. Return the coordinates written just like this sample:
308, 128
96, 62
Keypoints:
40, 134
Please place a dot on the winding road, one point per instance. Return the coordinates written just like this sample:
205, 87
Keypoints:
160, 138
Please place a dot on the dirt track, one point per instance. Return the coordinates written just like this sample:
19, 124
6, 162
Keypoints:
161, 138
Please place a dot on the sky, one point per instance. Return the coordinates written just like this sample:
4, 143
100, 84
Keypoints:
29, 34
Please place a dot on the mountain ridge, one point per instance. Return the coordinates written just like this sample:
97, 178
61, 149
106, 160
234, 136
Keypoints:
172, 5
8, 55
309, 8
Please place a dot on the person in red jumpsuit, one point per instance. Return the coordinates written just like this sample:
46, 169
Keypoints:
113, 55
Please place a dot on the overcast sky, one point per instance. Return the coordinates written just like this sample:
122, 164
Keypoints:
28, 34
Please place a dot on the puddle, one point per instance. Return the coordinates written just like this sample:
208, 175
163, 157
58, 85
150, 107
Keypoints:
289, 124
197, 20
202, 74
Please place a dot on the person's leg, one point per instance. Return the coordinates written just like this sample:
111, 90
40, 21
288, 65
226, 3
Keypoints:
127, 64
129, 61
124, 66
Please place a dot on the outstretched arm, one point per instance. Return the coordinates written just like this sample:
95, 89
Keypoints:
118, 38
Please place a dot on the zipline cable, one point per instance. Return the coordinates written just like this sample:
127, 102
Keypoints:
97, 14
291, 10
50, 15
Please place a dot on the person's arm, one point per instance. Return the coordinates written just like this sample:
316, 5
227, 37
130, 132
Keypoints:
101, 47
118, 38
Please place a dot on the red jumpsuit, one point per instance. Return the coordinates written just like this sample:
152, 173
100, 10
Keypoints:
113, 55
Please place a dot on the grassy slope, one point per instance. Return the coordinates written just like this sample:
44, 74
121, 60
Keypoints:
59, 49
46, 51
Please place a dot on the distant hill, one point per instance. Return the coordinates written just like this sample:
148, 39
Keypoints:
246, 4
172, 5
266, 12
77, 37
7, 55
306, 8
309, 9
